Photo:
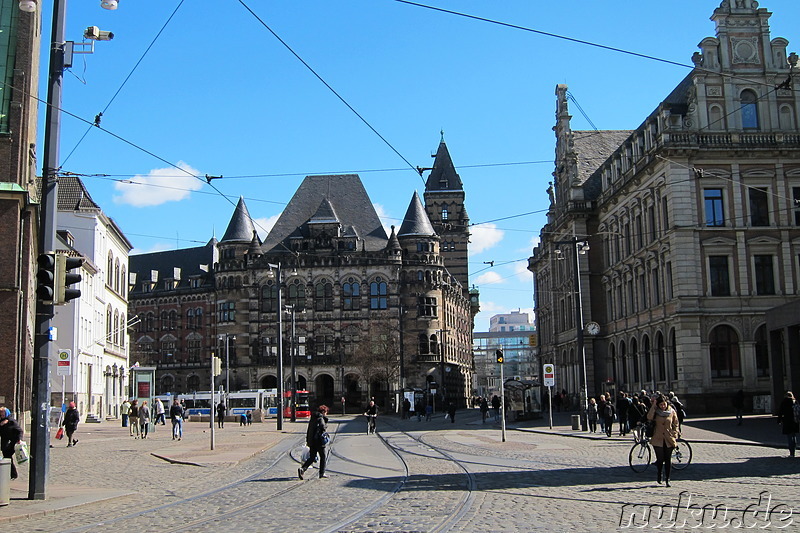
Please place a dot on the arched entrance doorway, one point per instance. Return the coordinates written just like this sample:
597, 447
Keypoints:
323, 390
352, 392
269, 382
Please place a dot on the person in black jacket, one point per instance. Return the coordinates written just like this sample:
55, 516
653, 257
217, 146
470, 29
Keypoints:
787, 419
10, 435
316, 440
71, 419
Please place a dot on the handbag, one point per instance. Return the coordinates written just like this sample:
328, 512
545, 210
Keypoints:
60, 433
326, 439
650, 429
21, 452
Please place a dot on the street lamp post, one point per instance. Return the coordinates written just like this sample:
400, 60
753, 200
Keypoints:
279, 281
579, 247
442, 364
227, 337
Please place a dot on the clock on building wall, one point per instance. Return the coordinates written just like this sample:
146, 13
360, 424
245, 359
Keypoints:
592, 328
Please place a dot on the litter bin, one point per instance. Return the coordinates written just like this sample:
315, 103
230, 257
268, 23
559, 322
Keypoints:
576, 422
5, 481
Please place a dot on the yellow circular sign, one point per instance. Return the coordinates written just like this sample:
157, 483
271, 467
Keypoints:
548, 369
63, 355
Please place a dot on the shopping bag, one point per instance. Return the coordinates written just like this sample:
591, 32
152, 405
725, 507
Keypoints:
60, 434
21, 452
304, 455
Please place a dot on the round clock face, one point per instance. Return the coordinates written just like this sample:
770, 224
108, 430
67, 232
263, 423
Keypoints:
592, 328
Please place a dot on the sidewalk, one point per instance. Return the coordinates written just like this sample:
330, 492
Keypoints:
756, 430
101, 480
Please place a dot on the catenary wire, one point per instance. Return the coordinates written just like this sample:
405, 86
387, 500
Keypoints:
331, 89
124, 82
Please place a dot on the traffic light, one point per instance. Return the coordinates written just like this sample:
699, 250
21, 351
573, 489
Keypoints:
217, 365
65, 278
46, 278
499, 354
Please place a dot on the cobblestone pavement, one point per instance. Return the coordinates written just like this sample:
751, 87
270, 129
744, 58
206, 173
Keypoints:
421, 476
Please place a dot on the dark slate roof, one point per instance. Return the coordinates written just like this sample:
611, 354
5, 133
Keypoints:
198, 261
416, 221
594, 147
680, 94
443, 177
240, 228
325, 214
72, 195
349, 202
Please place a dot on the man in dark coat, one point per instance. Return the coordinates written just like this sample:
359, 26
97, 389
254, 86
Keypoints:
316, 436
71, 420
10, 435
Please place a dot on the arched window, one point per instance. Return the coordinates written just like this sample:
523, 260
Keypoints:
164, 320
198, 317
786, 117
297, 295
269, 297
323, 296
351, 295
762, 352
377, 294
434, 345
110, 270
123, 329
749, 110
115, 332
150, 322
661, 357
445, 213
123, 288
723, 345
648, 362
190, 319
623, 355
116, 275
173, 319
424, 347
635, 357
673, 352
192, 383
716, 121
109, 324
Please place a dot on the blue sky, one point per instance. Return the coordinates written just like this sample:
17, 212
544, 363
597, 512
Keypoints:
217, 93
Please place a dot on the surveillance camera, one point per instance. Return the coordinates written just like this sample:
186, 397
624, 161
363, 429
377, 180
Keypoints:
96, 34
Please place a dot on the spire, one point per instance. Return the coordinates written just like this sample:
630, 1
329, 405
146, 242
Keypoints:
240, 228
416, 221
393, 244
325, 214
443, 176
255, 245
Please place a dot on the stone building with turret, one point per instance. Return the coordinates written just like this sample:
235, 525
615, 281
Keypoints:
353, 312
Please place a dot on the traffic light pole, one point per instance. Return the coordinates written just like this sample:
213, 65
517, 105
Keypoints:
40, 404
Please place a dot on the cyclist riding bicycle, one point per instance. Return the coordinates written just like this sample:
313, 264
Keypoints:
371, 414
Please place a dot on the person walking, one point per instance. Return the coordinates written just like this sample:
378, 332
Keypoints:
144, 419
665, 435
428, 412
158, 407
125, 410
738, 405
221, 411
451, 411
71, 419
406, 408
788, 414
608, 416
591, 415
623, 403
133, 418
418, 408
496, 406
316, 440
10, 436
176, 415
601, 409
484, 406
372, 414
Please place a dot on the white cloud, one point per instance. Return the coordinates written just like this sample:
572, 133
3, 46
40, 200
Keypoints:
159, 186
522, 273
488, 278
492, 308
157, 247
484, 237
386, 220
264, 225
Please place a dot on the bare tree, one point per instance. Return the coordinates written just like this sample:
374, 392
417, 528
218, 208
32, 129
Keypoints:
377, 357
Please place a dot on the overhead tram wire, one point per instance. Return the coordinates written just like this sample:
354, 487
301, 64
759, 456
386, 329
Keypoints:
332, 90
124, 82
577, 41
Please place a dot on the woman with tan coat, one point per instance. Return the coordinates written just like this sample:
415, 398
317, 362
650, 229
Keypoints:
665, 434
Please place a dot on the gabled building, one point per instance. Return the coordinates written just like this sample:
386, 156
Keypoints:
363, 313
689, 229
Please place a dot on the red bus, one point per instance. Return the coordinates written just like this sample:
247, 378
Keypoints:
303, 410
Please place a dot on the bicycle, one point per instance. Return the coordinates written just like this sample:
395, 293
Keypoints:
371, 424
641, 455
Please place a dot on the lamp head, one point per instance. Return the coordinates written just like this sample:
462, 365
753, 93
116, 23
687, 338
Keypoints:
109, 4
28, 6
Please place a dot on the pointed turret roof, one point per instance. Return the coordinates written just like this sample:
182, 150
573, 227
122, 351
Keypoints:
255, 245
240, 228
443, 176
416, 221
393, 243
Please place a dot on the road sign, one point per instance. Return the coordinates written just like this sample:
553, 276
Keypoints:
64, 363
549, 371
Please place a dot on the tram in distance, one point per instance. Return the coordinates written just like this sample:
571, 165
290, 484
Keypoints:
238, 403
303, 407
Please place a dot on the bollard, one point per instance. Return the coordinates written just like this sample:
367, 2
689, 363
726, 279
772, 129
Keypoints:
576, 422
5, 481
